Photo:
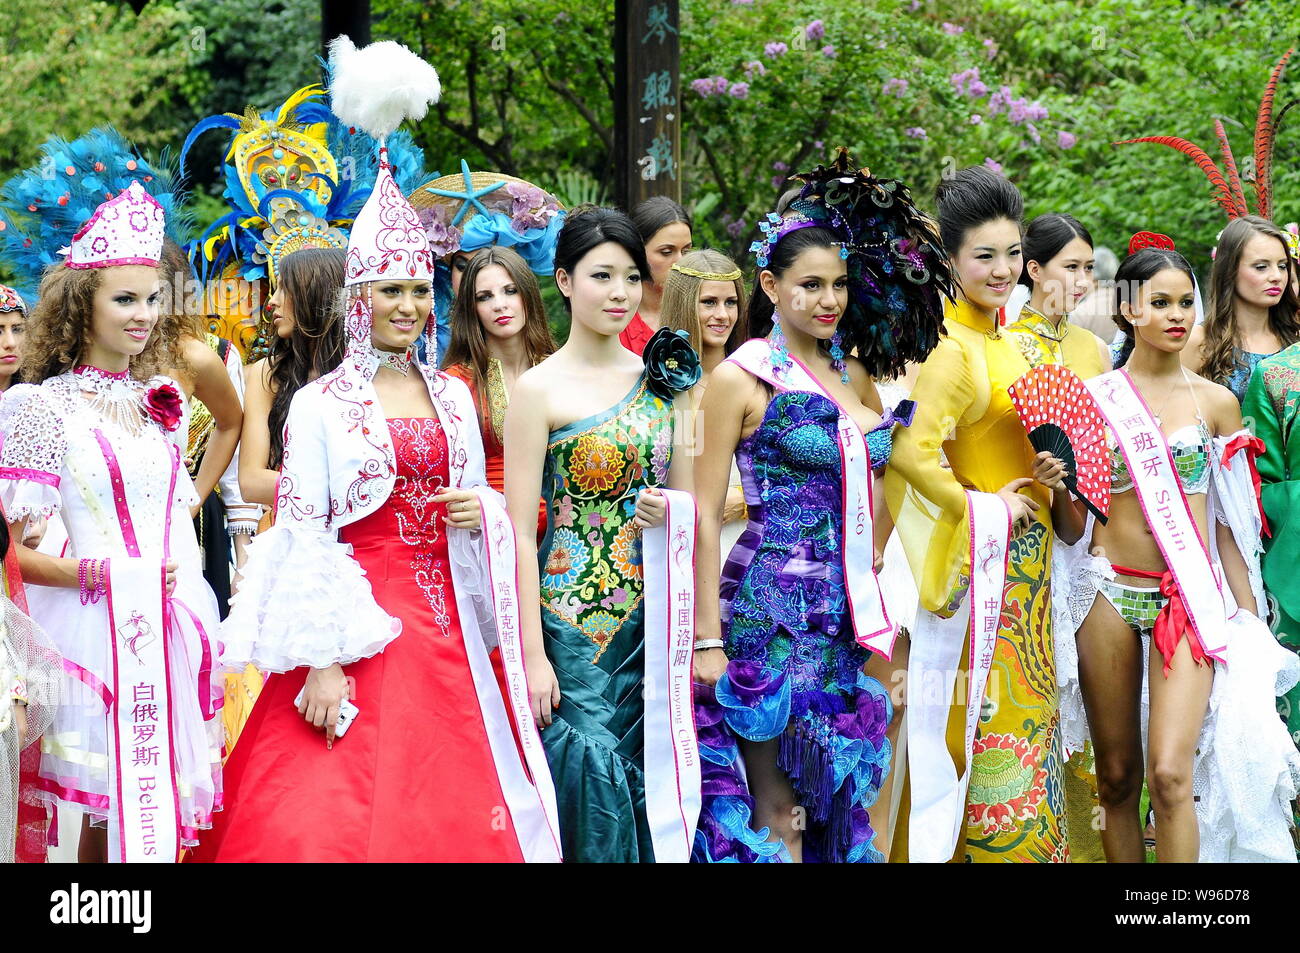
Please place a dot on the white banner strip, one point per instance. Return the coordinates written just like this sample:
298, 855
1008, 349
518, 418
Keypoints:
934, 667
531, 801
871, 623
672, 757
1160, 493
146, 822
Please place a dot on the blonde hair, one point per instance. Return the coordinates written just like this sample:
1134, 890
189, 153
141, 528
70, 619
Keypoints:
680, 309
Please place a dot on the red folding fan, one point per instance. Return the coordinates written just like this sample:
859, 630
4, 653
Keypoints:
1062, 418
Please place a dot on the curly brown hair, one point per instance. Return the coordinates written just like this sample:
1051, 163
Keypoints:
61, 322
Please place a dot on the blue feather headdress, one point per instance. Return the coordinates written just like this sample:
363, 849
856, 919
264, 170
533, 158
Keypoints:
42, 207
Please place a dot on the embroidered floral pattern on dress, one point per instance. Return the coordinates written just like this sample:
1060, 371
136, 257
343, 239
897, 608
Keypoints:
1008, 782
419, 520
591, 572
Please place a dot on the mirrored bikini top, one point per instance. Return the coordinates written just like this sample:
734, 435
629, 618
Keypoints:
1189, 446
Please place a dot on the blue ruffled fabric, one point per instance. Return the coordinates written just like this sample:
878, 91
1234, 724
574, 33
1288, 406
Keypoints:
536, 245
796, 670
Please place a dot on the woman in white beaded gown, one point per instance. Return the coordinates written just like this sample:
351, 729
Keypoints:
136, 744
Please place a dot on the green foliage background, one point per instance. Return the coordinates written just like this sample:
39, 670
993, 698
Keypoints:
528, 90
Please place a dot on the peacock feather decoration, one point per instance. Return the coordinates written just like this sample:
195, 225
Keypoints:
899, 276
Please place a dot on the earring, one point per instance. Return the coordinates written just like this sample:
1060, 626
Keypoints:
837, 358
776, 339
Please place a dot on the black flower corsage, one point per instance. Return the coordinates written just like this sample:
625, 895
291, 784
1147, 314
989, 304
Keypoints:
671, 364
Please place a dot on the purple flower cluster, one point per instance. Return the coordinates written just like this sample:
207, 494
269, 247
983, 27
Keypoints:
530, 207
968, 83
815, 30
915, 132
896, 87
990, 47
780, 166
828, 51
738, 91
775, 49
953, 29
712, 86
737, 228
1066, 140
1019, 110
444, 238
755, 67
990, 164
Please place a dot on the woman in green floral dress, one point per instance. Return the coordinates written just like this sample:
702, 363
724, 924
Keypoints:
592, 429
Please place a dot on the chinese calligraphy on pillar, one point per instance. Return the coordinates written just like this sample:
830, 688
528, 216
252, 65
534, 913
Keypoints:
648, 96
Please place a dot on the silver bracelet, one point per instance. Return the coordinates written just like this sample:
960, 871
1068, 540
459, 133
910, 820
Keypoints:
708, 644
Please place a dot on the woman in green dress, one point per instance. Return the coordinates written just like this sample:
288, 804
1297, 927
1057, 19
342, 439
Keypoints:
592, 430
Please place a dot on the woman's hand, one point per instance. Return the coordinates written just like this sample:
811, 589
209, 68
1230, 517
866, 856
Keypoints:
1050, 472
172, 566
463, 509
708, 666
651, 508
543, 691
325, 688
878, 563
1022, 507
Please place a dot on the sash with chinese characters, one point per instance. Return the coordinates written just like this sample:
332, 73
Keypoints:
871, 623
529, 795
144, 827
938, 795
1160, 493
672, 756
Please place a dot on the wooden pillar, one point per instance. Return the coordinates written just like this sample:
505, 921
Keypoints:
647, 101
350, 17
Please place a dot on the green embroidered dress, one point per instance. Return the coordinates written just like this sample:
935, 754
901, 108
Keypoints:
592, 621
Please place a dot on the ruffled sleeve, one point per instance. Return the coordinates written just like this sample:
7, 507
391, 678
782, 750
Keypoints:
927, 502
304, 600
32, 457
1233, 502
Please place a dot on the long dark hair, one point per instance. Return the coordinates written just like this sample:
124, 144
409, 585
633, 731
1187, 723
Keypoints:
590, 225
469, 341
312, 279
1044, 238
1134, 271
758, 316
1221, 308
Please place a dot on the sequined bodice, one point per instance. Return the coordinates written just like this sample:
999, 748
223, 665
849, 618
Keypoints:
410, 516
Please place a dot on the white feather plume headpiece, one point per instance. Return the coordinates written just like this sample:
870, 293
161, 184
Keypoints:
377, 87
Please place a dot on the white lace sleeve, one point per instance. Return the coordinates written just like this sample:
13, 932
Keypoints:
32, 457
304, 600
1233, 503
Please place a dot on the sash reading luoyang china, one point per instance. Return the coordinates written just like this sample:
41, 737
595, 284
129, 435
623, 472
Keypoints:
1160, 493
672, 796
871, 624
938, 795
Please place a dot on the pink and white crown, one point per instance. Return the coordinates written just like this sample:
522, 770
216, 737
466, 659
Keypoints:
387, 240
126, 230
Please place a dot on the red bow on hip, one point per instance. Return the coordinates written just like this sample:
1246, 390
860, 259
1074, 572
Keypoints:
1172, 621
1253, 447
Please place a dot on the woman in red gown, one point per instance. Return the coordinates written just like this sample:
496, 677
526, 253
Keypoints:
384, 583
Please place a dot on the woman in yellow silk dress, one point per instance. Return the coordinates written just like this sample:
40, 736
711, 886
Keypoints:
1014, 804
1058, 256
